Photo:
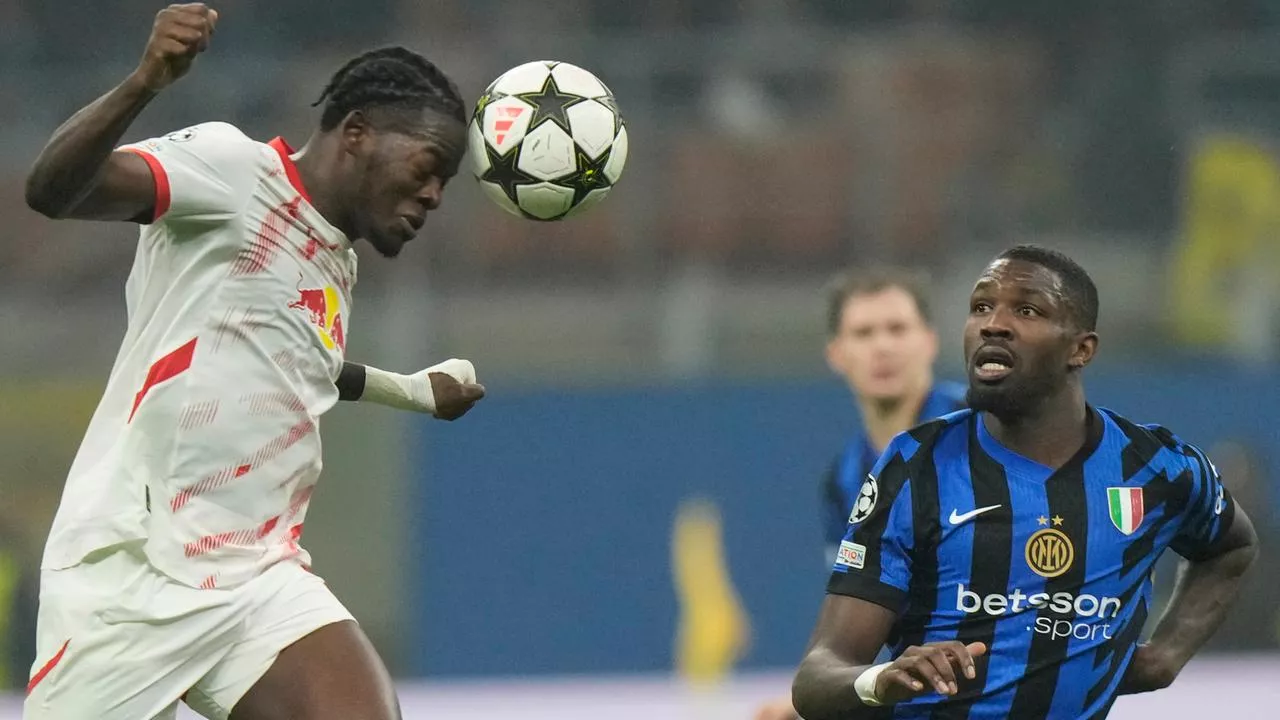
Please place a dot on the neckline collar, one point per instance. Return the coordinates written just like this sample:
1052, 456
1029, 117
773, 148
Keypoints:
290, 167
1094, 430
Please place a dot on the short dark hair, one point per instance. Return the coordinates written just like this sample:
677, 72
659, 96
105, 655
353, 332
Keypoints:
869, 281
1082, 294
392, 78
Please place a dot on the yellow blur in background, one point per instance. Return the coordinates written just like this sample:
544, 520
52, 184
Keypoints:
714, 630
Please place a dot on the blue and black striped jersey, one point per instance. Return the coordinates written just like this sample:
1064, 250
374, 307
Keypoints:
969, 541
844, 478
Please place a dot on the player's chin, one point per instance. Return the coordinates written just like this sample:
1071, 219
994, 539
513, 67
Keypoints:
1001, 398
387, 244
884, 390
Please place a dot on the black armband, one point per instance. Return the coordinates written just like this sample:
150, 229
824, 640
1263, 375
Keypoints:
350, 382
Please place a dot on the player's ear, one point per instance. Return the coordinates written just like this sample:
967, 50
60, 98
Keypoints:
1086, 347
833, 356
356, 131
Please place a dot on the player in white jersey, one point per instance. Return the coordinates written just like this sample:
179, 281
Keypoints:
173, 571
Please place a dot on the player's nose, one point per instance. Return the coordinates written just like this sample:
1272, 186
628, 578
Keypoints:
996, 324
431, 194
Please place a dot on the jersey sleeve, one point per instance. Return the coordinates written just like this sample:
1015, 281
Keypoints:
202, 173
873, 561
1209, 509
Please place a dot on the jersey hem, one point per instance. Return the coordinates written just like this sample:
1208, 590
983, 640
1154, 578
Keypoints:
873, 591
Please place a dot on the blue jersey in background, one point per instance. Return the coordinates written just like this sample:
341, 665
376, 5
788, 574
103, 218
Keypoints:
844, 478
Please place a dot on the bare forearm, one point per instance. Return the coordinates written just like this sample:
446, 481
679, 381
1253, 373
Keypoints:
447, 390
70, 163
823, 687
1201, 598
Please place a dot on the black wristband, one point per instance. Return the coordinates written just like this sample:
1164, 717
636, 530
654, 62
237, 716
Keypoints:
350, 382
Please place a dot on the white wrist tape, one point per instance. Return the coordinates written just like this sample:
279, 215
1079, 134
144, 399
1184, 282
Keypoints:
461, 370
865, 685
412, 392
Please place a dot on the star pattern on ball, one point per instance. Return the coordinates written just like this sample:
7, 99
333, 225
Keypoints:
504, 173
549, 103
590, 175
483, 103
609, 102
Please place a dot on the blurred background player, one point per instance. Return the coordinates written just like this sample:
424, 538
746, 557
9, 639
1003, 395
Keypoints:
1008, 550
881, 341
174, 569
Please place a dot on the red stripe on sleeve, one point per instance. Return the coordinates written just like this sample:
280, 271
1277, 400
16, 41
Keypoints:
161, 178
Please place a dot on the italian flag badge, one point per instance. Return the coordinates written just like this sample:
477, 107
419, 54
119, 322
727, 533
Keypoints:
1126, 508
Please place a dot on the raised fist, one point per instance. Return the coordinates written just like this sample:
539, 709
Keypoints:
180, 33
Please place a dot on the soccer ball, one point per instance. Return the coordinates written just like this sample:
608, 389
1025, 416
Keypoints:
547, 141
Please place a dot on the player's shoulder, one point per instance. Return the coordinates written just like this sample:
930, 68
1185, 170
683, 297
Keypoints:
214, 132
925, 436
213, 129
215, 142
1149, 439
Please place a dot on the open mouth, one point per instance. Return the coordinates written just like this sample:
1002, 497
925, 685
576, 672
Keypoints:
992, 363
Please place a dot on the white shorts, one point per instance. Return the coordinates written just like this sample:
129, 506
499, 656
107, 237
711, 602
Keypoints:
117, 640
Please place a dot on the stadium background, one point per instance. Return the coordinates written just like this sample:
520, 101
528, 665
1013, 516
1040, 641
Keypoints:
629, 523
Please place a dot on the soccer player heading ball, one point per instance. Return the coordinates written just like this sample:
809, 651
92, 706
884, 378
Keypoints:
173, 570
1007, 560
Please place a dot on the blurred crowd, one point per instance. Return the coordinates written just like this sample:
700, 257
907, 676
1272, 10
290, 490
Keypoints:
770, 137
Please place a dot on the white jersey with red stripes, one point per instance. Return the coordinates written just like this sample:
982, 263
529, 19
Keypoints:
206, 442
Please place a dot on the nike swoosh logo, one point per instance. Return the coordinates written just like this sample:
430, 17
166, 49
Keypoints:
957, 519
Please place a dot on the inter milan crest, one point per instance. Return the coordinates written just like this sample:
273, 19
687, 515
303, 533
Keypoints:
1126, 509
1050, 552
865, 502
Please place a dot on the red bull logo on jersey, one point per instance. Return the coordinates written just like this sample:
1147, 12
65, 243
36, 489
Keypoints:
324, 310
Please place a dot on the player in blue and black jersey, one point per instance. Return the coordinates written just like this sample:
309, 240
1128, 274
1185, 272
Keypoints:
1006, 553
882, 343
